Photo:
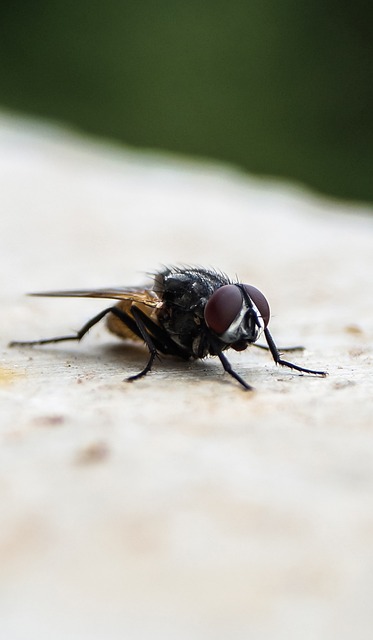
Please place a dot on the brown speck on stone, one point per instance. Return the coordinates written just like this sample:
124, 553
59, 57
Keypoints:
92, 453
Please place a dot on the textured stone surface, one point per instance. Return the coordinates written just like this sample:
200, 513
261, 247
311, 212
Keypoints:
180, 506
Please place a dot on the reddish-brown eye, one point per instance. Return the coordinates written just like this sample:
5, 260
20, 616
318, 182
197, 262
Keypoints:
260, 302
223, 307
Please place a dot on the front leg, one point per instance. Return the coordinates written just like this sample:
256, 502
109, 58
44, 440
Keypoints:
228, 368
278, 360
216, 350
265, 347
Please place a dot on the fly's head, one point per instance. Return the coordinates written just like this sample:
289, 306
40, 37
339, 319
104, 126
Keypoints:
237, 314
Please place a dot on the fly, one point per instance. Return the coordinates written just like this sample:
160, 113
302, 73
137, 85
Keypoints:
189, 313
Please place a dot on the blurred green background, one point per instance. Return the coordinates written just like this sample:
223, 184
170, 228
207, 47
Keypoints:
280, 88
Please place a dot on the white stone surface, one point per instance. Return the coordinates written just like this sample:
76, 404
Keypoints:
180, 506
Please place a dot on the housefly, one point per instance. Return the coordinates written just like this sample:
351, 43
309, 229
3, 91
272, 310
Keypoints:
187, 312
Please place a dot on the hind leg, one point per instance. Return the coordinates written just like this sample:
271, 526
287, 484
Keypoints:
77, 336
135, 324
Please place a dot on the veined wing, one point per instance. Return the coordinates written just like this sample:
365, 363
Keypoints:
133, 294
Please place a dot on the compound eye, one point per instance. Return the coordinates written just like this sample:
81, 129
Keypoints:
223, 307
260, 302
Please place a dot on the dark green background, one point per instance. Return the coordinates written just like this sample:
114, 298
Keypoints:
281, 88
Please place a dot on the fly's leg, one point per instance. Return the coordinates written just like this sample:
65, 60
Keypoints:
280, 349
135, 324
155, 338
278, 360
228, 368
77, 336
160, 337
149, 343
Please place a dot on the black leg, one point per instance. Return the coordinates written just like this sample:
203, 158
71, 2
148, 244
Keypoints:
135, 324
77, 336
228, 368
149, 343
280, 349
278, 360
161, 339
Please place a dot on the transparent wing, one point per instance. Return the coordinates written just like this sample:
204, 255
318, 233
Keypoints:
132, 294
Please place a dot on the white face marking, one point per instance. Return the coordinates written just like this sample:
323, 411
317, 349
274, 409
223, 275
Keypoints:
236, 331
